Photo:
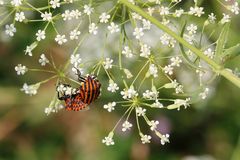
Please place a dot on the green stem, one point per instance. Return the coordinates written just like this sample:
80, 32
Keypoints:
216, 68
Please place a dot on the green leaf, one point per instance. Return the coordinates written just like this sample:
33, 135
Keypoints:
231, 53
222, 41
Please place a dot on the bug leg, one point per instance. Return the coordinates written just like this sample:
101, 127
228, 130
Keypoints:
80, 78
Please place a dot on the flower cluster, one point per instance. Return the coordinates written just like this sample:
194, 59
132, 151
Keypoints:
140, 70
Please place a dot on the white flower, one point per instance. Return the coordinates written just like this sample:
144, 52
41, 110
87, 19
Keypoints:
75, 60
126, 126
30, 89
176, 61
46, 16
40, 35
87, 9
196, 11
113, 87
136, 16
180, 102
60, 39
168, 69
192, 29
108, 63
167, 40
69, 91
226, 18
153, 70
16, 3
108, 140
127, 52
150, 10
74, 34
179, 89
75, 13
110, 106
163, 10
128, 73
164, 139
93, 28
129, 93
140, 111
150, 94
10, 30
20, 16
43, 60
153, 125
209, 53
138, 32
157, 104
145, 50
104, 17
54, 107
145, 138
204, 94
55, 3
113, 28
28, 50
61, 88
146, 24
178, 12
212, 18
20, 69
234, 8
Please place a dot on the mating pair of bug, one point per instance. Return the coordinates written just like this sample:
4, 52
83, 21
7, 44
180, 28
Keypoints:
88, 91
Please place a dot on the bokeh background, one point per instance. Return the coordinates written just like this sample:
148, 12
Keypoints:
207, 130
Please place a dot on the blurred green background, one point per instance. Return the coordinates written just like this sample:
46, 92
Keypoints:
206, 131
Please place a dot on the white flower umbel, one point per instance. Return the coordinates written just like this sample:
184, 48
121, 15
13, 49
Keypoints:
140, 111
20, 69
192, 29
157, 104
235, 8
61, 39
204, 94
112, 87
226, 18
175, 61
19, 16
10, 30
43, 60
74, 34
46, 16
104, 17
209, 53
165, 139
40, 35
153, 70
108, 63
16, 3
145, 50
129, 93
153, 125
138, 32
30, 89
196, 11
163, 10
55, 3
127, 52
109, 139
150, 95
168, 69
145, 138
113, 28
178, 103
87, 9
93, 28
75, 60
126, 126
110, 106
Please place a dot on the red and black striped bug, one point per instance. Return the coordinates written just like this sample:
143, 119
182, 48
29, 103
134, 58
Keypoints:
79, 98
